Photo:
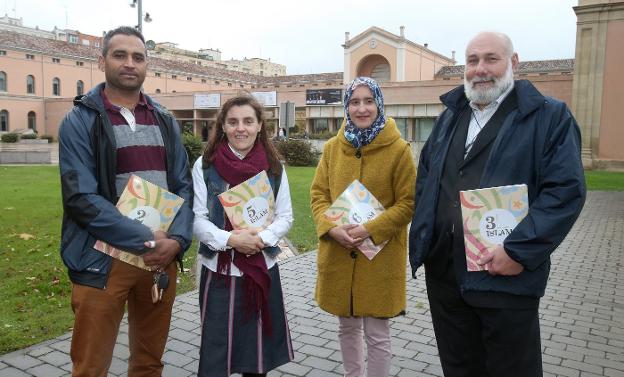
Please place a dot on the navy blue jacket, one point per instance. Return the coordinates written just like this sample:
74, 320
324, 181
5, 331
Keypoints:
538, 144
87, 160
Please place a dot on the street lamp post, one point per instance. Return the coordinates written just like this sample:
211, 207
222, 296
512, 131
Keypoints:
139, 5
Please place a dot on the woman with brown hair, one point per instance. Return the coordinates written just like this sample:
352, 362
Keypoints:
244, 326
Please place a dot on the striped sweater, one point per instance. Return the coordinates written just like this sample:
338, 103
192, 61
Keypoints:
140, 146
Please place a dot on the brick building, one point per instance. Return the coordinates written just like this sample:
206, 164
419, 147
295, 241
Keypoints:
40, 76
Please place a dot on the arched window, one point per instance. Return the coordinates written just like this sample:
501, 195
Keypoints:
3, 81
56, 87
157, 90
32, 120
4, 120
30, 84
79, 87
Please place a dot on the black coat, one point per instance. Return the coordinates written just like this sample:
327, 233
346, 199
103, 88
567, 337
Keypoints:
539, 145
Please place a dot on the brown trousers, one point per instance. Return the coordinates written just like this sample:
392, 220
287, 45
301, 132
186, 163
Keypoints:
98, 313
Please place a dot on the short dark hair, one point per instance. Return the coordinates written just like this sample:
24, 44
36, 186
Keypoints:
125, 30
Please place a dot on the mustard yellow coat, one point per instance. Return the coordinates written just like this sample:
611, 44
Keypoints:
349, 286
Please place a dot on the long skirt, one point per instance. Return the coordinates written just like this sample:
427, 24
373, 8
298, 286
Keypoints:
233, 343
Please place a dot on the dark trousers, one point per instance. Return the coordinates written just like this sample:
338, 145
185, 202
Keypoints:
480, 342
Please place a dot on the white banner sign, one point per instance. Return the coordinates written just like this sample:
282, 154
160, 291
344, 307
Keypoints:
207, 101
266, 98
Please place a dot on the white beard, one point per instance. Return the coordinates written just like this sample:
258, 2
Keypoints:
486, 96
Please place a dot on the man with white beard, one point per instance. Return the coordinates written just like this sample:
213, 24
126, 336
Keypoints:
494, 132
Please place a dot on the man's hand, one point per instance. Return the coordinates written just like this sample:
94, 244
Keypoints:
341, 234
499, 263
246, 241
164, 251
159, 235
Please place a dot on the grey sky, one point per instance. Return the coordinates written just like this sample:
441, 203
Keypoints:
307, 35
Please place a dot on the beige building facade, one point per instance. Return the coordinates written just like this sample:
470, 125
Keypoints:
212, 58
39, 78
385, 57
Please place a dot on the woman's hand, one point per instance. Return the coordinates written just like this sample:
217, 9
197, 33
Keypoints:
246, 241
341, 234
359, 232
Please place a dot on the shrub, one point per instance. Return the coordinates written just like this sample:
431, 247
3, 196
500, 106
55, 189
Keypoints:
325, 135
297, 152
193, 145
28, 136
49, 138
9, 138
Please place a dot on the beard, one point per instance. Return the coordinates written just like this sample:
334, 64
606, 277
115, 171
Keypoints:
485, 96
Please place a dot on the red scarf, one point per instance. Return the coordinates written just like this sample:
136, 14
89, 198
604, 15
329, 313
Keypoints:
256, 278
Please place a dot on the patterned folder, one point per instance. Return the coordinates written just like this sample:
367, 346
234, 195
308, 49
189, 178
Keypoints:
489, 215
250, 204
356, 205
148, 204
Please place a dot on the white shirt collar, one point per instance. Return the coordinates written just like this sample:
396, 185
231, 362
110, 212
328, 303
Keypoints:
236, 153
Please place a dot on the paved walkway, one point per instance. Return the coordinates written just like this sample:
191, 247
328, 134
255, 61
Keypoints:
582, 316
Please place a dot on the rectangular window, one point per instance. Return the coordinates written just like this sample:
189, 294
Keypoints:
80, 64
425, 126
73, 39
30, 57
402, 126
203, 81
320, 125
189, 78
2, 53
174, 77
157, 74
56, 60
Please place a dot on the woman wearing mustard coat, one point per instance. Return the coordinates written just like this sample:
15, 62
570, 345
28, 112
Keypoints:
364, 293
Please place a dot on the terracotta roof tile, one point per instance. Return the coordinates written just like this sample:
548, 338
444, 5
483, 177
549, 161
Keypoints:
53, 47
535, 66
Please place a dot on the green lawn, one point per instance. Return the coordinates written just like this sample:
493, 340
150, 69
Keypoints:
604, 180
303, 232
36, 292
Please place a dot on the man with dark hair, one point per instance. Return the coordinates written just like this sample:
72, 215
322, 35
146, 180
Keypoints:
494, 132
112, 132
124, 30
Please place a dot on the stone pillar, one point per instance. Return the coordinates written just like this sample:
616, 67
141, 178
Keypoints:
600, 28
331, 124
